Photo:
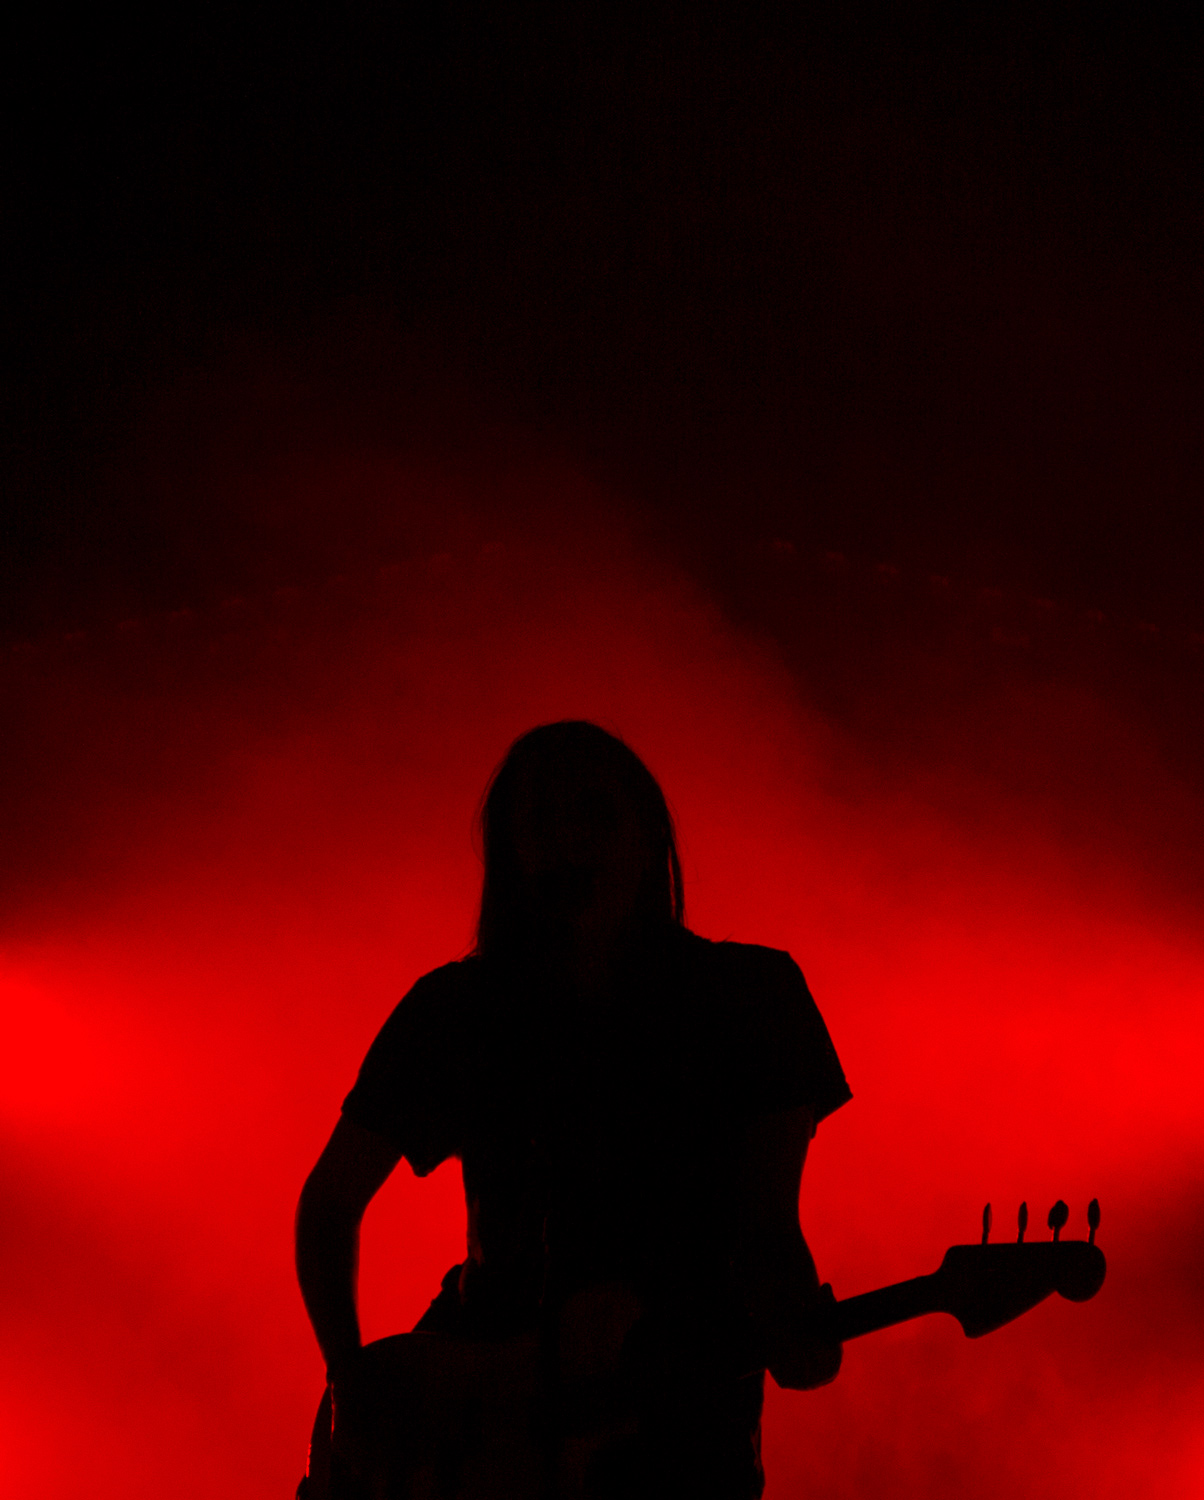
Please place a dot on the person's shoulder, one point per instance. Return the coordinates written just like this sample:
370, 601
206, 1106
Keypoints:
743, 962
441, 999
780, 1047
460, 977
410, 1084
742, 980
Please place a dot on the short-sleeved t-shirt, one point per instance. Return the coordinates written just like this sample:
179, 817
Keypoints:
599, 1142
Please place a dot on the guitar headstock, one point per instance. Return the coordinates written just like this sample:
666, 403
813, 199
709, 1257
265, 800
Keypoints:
985, 1286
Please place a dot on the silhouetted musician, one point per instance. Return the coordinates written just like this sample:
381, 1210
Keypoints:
631, 1105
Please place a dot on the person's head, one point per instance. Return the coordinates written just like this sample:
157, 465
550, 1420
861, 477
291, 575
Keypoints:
579, 849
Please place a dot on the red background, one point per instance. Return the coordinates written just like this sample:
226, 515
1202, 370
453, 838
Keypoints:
811, 394
243, 832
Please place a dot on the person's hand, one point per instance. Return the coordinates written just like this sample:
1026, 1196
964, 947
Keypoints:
811, 1354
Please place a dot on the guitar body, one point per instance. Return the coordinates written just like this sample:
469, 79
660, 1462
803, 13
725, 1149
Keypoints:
475, 1419
464, 1421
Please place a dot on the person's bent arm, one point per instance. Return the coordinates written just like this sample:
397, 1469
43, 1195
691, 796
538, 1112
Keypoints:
775, 1271
348, 1174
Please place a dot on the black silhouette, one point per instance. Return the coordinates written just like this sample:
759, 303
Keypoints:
632, 1106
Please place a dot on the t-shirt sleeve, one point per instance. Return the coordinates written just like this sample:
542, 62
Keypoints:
409, 1084
790, 1060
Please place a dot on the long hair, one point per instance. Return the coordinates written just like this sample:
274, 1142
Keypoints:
566, 751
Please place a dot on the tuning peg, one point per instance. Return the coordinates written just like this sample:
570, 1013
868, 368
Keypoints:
1058, 1215
1093, 1219
1022, 1219
986, 1224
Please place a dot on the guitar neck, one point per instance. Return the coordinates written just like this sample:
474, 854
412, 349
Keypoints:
888, 1305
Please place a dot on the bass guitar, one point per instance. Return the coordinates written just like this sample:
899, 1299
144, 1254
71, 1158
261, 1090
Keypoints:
467, 1418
